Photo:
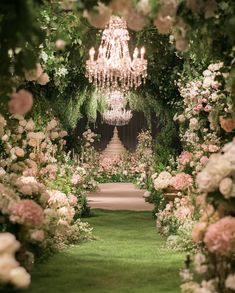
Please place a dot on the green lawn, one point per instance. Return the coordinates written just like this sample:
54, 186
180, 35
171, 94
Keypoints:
128, 257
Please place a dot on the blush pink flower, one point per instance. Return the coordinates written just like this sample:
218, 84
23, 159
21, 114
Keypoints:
185, 157
21, 102
57, 198
220, 236
37, 235
204, 160
181, 181
208, 108
72, 199
76, 179
213, 148
199, 231
27, 212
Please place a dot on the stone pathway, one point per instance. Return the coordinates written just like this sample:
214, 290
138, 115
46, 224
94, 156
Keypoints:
119, 196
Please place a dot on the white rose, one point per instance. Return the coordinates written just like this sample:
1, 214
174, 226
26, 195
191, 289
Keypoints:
54, 135
181, 118
226, 187
30, 125
20, 278
207, 73
22, 122
7, 263
8, 243
5, 137
230, 282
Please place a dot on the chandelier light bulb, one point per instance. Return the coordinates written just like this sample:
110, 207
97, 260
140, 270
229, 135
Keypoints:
92, 54
142, 52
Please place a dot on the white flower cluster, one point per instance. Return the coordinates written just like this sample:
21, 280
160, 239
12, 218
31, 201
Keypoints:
219, 172
10, 270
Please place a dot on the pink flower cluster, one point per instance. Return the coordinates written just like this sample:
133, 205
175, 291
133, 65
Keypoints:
21, 102
76, 179
220, 236
185, 158
57, 198
181, 181
212, 148
27, 212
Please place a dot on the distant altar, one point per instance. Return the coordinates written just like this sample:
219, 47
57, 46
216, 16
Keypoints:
115, 146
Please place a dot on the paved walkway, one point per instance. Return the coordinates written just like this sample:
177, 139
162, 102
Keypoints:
119, 196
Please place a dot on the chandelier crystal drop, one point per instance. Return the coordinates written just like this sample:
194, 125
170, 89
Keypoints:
118, 117
114, 68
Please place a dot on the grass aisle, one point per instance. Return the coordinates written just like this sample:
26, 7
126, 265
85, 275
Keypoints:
128, 258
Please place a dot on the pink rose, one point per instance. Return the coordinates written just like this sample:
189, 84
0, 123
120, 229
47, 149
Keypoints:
21, 102
37, 235
198, 231
219, 237
208, 108
27, 212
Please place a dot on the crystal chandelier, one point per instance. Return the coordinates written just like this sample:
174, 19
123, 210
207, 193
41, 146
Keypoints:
118, 117
114, 68
115, 99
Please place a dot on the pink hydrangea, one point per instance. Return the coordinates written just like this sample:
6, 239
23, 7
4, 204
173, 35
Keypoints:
38, 235
76, 179
72, 199
21, 102
220, 236
181, 181
204, 160
57, 199
185, 157
27, 212
213, 148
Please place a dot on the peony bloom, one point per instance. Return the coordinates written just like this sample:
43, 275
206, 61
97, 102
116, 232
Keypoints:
20, 278
34, 74
163, 23
30, 125
73, 199
57, 198
37, 235
60, 44
227, 124
7, 264
28, 185
216, 169
100, 19
199, 231
226, 187
26, 212
63, 133
51, 125
193, 124
230, 282
220, 236
185, 158
21, 102
19, 152
76, 179
204, 160
43, 79
181, 181
8, 243
163, 180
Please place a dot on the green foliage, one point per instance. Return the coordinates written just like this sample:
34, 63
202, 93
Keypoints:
20, 36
